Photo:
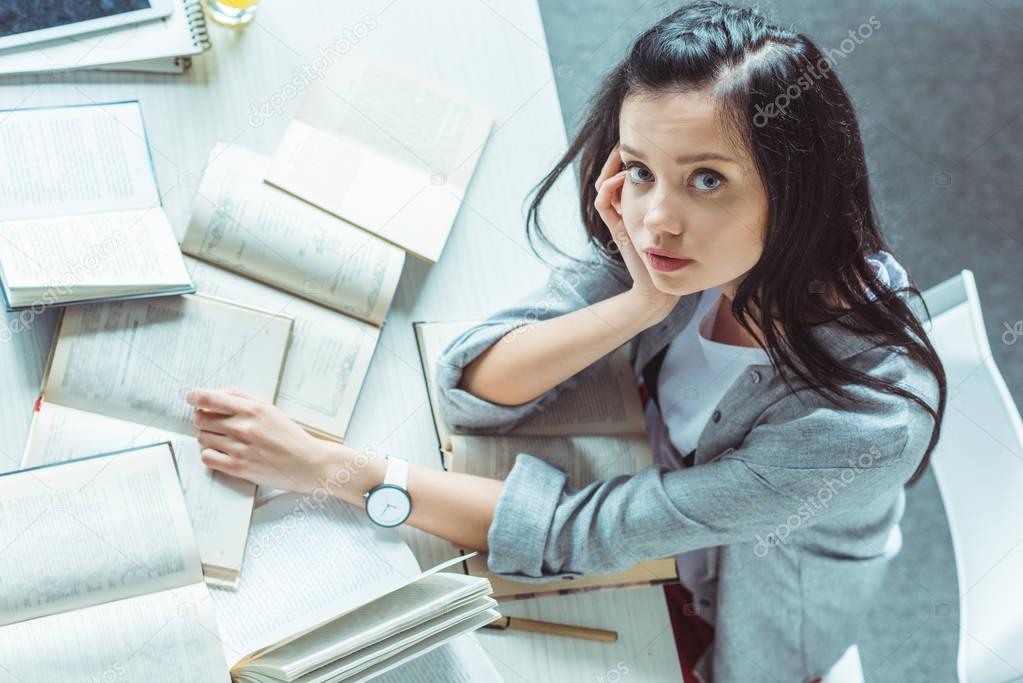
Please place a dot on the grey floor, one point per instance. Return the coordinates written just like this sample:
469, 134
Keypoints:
937, 88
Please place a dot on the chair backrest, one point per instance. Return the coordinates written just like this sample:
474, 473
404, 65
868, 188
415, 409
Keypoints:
978, 464
848, 669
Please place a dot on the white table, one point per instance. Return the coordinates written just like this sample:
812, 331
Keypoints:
493, 53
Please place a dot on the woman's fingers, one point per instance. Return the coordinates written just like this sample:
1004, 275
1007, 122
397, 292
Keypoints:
218, 460
234, 391
216, 401
220, 442
254, 440
211, 422
607, 198
611, 166
631, 257
608, 202
609, 188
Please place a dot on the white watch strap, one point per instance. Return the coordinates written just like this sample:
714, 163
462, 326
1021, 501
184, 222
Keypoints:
397, 472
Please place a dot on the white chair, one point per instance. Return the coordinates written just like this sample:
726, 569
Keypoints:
848, 669
978, 464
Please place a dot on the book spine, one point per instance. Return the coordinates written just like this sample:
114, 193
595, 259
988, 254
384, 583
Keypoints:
197, 24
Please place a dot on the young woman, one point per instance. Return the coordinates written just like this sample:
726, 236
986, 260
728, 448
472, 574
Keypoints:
793, 392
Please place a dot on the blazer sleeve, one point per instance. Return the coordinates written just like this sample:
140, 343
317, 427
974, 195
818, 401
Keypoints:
570, 287
787, 465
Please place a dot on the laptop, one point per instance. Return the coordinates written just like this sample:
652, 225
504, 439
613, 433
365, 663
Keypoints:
28, 22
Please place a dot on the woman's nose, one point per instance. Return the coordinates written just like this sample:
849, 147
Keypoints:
663, 216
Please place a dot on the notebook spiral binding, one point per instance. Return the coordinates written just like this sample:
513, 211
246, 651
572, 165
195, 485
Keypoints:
197, 24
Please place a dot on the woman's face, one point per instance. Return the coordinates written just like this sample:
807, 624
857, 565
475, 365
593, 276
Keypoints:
710, 211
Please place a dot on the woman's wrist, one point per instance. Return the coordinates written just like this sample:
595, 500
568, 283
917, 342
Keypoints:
348, 474
642, 312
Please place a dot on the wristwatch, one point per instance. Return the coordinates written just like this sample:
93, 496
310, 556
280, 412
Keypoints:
389, 504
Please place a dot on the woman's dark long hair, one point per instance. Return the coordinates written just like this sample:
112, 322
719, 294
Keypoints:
778, 94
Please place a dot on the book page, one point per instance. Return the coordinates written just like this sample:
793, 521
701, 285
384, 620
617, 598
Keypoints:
240, 223
165, 637
64, 161
461, 660
605, 402
398, 611
383, 149
584, 458
95, 254
309, 560
329, 355
219, 505
397, 647
431, 339
418, 649
136, 360
25, 341
90, 531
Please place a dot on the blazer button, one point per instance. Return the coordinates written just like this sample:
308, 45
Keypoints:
716, 417
754, 376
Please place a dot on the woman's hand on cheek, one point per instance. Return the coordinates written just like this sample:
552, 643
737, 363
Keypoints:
654, 304
609, 205
253, 440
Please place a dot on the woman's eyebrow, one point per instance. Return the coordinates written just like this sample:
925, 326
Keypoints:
687, 158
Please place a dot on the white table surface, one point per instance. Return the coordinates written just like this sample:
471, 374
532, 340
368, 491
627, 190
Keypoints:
497, 55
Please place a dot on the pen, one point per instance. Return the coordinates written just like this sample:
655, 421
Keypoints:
553, 628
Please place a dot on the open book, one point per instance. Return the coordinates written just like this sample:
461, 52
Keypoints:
383, 149
328, 596
117, 377
80, 213
23, 354
255, 244
460, 660
101, 575
594, 431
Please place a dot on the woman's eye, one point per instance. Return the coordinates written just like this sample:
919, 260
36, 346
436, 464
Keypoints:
715, 183
638, 174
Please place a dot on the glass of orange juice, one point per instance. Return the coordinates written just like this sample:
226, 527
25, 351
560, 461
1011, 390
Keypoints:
231, 12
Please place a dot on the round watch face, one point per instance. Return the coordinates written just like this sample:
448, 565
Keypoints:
388, 505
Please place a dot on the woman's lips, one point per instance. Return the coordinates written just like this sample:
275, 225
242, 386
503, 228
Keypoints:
664, 260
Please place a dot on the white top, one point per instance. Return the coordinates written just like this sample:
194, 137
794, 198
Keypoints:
695, 374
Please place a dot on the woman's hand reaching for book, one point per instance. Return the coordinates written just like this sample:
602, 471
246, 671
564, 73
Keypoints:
652, 303
251, 439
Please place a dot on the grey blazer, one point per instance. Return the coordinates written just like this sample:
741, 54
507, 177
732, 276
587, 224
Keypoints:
800, 500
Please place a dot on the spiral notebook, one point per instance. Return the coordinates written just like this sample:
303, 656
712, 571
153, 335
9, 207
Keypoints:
163, 45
